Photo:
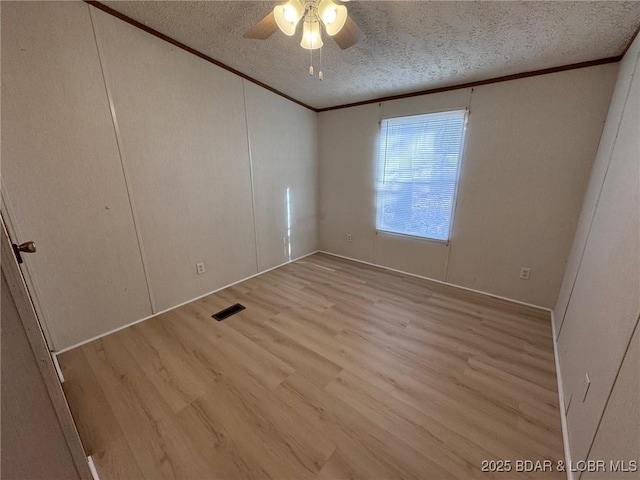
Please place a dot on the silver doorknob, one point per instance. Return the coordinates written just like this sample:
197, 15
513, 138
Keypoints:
27, 247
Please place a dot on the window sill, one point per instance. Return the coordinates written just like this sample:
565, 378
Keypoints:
415, 237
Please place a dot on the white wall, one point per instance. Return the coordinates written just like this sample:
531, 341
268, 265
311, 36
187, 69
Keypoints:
129, 160
599, 305
183, 141
62, 174
529, 148
284, 156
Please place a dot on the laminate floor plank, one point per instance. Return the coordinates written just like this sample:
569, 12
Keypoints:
161, 449
117, 460
357, 437
87, 401
449, 450
466, 340
218, 343
264, 427
334, 370
546, 419
496, 435
374, 368
314, 367
169, 374
409, 350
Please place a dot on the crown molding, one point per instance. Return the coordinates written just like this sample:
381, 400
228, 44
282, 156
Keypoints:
192, 51
506, 78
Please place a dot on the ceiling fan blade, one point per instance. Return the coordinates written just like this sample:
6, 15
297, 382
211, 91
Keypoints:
263, 29
349, 35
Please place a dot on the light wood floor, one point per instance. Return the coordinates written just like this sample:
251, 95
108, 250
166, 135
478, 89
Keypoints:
334, 370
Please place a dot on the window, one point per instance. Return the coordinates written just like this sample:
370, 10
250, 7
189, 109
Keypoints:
418, 164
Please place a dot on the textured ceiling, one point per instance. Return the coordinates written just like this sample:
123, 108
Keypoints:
409, 45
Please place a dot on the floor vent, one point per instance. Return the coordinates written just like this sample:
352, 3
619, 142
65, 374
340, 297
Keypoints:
227, 312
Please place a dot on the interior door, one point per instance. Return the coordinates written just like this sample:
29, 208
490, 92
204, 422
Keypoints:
39, 439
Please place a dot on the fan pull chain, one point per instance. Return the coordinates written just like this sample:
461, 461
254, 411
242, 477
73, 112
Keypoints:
320, 75
307, 18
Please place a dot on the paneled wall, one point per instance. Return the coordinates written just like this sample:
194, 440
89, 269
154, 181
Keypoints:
529, 147
599, 305
62, 175
183, 141
284, 156
128, 161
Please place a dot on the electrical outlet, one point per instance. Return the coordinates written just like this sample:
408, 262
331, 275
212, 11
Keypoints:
525, 273
349, 239
200, 268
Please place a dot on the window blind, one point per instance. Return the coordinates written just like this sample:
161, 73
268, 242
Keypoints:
418, 165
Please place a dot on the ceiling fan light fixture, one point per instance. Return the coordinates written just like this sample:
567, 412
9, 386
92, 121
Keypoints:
288, 15
311, 38
333, 16
316, 16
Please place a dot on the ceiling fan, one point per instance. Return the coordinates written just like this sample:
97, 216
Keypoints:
314, 14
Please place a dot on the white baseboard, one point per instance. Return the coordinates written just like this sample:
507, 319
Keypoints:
492, 295
58, 369
563, 414
84, 342
92, 467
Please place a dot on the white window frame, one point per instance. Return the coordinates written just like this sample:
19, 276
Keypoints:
380, 165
